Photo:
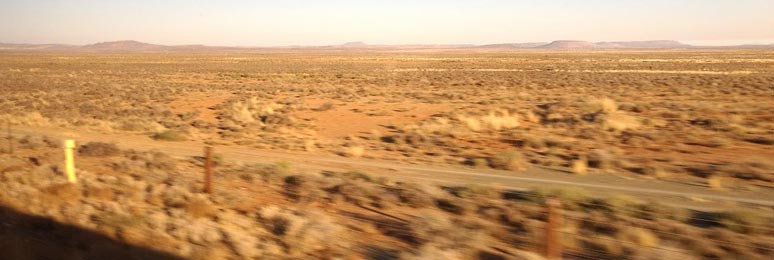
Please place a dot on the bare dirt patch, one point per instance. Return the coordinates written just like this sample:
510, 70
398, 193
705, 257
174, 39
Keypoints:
200, 106
364, 117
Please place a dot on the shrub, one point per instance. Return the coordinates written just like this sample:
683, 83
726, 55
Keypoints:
600, 159
638, 236
471, 123
98, 149
752, 168
498, 120
359, 175
474, 191
571, 197
656, 211
479, 163
620, 122
580, 166
201, 208
161, 161
239, 112
615, 205
416, 196
764, 140
170, 135
325, 107
353, 151
508, 160
600, 105
282, 168
741, 221
715, 182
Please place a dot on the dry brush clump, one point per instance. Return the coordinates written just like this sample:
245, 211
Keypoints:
170, 135
99, 149
508, 160
491, 121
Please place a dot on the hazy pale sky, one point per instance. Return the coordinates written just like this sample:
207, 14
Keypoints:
297, 22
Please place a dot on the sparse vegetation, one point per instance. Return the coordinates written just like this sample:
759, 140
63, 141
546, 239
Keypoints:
282, 212
645, 115
170, 135
583, 106
508, 160
98, 149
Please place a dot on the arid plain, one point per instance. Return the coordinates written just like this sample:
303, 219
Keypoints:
703, 119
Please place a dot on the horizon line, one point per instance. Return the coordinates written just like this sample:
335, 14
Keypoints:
362, 43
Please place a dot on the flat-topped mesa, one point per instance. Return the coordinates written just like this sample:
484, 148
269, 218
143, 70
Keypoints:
568, 44
122, 45
660, 44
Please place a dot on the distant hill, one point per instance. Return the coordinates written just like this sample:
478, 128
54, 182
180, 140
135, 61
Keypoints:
16, 46
114, 46
511, 45
123, 45
574, 45
354, 45
363, 45
569, 45
136, 46
745, 46
647, 44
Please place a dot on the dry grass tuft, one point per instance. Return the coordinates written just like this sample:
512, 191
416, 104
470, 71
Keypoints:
600, 105
639, 236
580, 166
716, 182
620, 122
508, 160
500, 120
494, 120
741, 221
354, 151
99, 149
170, 135
201, 208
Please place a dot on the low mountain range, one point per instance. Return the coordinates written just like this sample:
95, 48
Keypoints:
135, 46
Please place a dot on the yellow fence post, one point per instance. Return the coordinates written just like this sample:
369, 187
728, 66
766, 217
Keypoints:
69, 146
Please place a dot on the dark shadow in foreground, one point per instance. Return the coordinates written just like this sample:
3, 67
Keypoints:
26, 237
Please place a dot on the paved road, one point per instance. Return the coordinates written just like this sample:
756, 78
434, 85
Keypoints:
682, 194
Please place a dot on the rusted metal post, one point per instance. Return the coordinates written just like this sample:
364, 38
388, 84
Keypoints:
10, 137
208, 169
553, 238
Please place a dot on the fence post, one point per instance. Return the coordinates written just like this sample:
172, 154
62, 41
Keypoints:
553, 239
69, 146
208, 169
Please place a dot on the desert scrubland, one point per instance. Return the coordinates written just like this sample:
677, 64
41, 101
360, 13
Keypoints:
697, 117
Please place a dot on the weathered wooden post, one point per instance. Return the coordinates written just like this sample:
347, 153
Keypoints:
553, 238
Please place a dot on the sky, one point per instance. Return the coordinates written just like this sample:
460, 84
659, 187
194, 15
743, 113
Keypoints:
298, 22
